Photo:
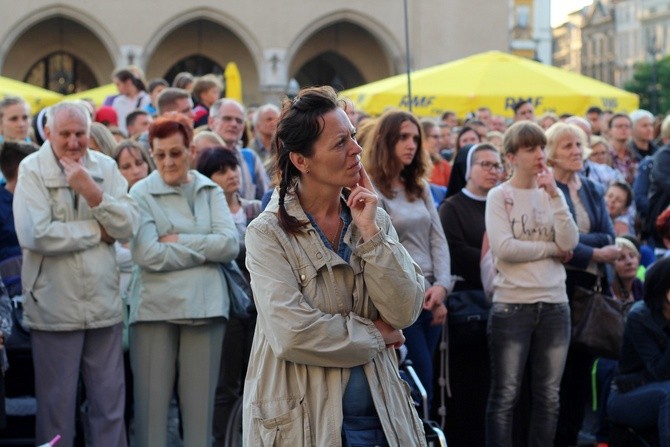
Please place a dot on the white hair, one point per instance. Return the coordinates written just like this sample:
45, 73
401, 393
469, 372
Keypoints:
580, 122
638, 114
214, 108
261, 110
71, 107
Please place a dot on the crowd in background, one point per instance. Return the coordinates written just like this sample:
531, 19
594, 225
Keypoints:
560, 202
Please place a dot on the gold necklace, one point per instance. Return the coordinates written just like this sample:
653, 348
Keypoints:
335, 240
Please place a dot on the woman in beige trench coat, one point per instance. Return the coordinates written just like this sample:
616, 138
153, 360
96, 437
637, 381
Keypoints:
333, 288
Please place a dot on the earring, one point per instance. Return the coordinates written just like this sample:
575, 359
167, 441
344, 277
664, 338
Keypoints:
307, 171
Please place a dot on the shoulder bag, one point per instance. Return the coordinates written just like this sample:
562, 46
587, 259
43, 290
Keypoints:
239, 290
598, 321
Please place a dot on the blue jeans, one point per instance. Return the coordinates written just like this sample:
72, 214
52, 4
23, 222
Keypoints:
537, 332
421, 340
643, 407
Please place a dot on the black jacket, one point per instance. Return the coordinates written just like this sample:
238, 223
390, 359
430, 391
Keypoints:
645, 353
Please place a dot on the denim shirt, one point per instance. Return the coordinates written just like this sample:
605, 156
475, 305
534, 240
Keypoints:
645, 353
343, 250
357, 399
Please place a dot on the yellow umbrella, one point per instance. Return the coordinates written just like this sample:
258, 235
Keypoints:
492, 79
37, 97
233, 82
97, 94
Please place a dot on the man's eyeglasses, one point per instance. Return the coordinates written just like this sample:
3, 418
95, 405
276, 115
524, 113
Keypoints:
228, 119
490, 166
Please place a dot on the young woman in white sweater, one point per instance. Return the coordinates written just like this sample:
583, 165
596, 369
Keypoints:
532, 233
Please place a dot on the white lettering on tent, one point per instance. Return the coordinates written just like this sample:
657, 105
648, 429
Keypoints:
417, 101
511, 101
610, 103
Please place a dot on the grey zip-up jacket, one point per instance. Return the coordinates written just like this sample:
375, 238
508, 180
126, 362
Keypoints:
70, 277
181, 280
315, 315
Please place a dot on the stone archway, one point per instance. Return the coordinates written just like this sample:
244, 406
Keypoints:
329, 68
195, 64
69, 39
343, 53
209, 39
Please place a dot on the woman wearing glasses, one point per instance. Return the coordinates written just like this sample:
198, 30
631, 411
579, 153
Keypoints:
462, 217
441, 170
180, 303
531, 233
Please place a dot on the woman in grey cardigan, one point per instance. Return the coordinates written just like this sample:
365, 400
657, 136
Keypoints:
397, 164
179, 304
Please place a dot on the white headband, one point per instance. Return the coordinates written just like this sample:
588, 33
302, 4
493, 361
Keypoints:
468, 161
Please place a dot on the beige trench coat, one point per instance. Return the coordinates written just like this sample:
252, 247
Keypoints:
311, 329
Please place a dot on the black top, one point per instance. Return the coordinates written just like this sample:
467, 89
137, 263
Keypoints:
464, 225
645, 353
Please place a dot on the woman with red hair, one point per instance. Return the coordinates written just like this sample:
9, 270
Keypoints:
180, 303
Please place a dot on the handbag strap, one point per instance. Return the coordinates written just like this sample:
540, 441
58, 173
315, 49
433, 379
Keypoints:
444, 380
594, 385
600, 277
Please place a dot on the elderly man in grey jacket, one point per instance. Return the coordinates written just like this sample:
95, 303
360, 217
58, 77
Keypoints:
70, 205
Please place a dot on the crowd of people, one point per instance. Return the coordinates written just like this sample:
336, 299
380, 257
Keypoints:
353, 232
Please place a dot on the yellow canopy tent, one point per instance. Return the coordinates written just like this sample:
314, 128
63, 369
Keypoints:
97, 94
492, 79
37, 97
233, 79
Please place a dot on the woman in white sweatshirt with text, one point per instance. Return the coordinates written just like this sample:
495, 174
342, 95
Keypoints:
532, 233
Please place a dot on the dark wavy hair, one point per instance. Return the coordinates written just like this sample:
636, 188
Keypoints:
625, 187
11, 154
300, 124
464, 130
381, 162
216, 159
168, 125
124, 74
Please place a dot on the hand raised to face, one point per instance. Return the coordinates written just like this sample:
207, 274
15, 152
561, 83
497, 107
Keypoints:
363, 205
546, 181
81, 181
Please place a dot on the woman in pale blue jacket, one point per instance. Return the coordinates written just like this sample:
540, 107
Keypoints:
179, 304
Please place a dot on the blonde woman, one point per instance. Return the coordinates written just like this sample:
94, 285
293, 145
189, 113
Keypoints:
565, 146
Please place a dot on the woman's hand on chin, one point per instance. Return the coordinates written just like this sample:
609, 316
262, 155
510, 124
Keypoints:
363, 205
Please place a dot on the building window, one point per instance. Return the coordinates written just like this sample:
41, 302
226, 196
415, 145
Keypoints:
523, 16
197, 65
61, 72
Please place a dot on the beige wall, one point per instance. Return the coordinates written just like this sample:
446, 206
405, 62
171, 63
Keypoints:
268, 40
